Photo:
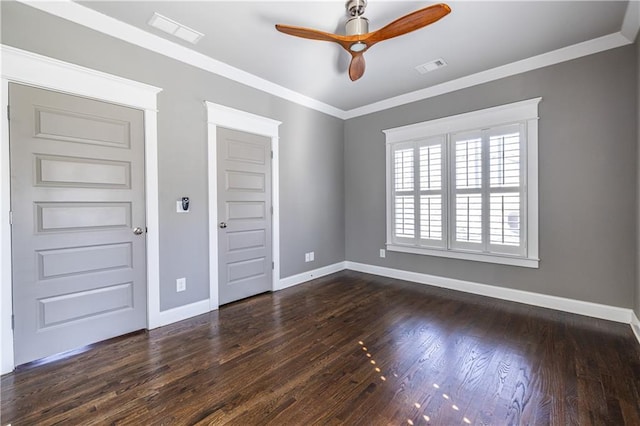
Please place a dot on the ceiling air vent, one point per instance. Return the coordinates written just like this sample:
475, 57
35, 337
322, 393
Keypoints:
174, 28
430, 66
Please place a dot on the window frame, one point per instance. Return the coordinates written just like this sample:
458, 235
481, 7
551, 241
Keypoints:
523, 113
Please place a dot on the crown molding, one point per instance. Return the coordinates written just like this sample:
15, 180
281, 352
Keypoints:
74, 12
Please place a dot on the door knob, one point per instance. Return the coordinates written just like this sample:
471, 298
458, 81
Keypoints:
223, 225
137, 230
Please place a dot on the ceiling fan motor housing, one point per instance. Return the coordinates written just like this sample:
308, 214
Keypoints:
357, 25
356, 7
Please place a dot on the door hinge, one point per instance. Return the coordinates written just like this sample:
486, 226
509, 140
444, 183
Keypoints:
8, 113
13, 322
272, 155
10, 218
271, 209
273, 265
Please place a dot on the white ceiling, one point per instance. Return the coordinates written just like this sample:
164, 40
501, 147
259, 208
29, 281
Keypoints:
477, 36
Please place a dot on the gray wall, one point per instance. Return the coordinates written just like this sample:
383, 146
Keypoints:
311, 150
587, 194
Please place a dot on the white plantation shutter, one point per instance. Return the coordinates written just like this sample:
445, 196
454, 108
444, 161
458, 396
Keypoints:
467, 177
431, 217
465, 186
404, 218
468, 219
487, 190
431, 154
418, 193
468, 162
504, 151
505, 219
403, 169
506, 189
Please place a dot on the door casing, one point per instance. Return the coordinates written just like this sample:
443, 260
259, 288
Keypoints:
222, 116
31, 69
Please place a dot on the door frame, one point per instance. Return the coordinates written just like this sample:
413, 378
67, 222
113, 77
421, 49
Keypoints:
230, 118
23, 67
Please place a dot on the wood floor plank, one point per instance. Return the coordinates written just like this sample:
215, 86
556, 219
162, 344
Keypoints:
350, 348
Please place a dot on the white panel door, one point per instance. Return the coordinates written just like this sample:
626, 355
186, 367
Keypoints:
244, 213
77, 197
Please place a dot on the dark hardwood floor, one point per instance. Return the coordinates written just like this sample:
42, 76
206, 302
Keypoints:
351, 349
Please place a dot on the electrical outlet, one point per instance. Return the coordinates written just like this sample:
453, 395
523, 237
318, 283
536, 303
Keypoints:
312, 256
383, 253
181, 284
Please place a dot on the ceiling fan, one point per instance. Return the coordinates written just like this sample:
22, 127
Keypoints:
358, 39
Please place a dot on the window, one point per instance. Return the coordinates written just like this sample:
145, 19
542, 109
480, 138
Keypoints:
466, 186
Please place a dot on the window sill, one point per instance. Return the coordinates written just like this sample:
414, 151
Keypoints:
478, 257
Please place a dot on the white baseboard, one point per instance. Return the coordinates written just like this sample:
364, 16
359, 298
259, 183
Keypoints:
309, 275
635, 325
180, 313
611, 313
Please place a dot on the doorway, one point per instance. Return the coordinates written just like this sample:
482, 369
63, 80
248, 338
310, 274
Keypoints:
244, 211
229, 118
31, 69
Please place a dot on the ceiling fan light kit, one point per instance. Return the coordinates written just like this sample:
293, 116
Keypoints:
358, 39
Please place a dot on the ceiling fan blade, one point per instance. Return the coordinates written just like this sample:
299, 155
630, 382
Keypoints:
312, 34
357, 66
407, 23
